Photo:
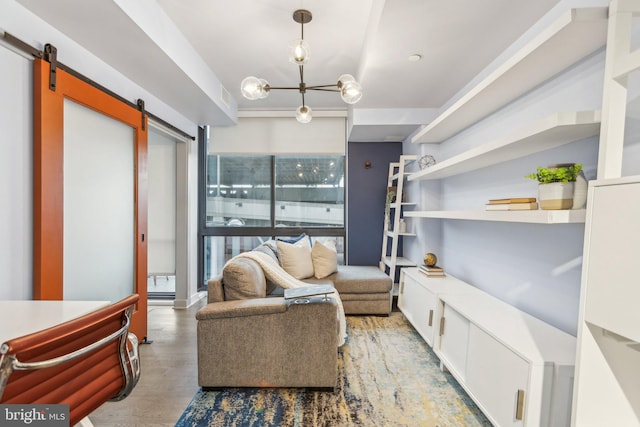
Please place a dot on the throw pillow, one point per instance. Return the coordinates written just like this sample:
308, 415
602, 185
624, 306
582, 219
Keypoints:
296, 258
324, 257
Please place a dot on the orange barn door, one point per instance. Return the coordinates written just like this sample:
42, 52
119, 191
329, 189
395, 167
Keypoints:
49, 186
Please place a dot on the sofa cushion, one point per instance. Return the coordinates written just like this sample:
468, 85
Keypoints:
324, 258
358, 279
243, 278
296, 258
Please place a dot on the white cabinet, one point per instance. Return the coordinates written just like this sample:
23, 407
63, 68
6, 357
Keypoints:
419, 302
518, 369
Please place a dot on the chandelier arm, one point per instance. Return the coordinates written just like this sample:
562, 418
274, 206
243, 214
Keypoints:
284, 88
320, 88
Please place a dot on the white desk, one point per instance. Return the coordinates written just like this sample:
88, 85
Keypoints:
19, 318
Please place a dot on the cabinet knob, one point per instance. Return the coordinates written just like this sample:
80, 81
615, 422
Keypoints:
442, 326
430, 317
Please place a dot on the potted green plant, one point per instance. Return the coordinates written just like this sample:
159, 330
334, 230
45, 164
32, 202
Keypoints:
556, 185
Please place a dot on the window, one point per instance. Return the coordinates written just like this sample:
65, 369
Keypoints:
238, 191
249, 199
309, 191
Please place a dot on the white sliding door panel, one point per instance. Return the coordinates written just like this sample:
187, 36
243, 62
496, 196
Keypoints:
99, 182
161, 224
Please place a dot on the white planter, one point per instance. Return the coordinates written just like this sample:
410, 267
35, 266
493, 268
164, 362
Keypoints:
556, 195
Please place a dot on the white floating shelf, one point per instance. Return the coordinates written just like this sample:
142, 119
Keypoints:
550, 132
534, 217
390, 234
400, 262
572, 37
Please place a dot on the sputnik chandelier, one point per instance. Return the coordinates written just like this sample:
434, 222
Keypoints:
255, 88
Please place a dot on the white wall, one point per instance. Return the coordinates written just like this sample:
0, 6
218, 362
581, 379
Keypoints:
16, 143
536, 268
16, 179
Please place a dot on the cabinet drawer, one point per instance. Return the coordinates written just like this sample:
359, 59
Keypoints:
418, 305
498, 378
454, 329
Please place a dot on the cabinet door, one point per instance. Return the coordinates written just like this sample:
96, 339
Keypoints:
454, 329
495, 375
613, 253
418, 305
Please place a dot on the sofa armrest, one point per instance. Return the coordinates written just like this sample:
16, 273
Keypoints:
241, 308
215, 292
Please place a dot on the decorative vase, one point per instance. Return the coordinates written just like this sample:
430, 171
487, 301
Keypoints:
430, 259
556, 195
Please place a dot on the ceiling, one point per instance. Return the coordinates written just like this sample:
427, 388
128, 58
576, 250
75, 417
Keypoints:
193, 54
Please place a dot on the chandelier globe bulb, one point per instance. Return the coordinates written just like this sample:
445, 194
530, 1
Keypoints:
299, 52
254, 88
351, 92
303, 114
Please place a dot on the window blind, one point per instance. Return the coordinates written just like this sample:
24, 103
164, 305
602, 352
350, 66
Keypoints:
280, 135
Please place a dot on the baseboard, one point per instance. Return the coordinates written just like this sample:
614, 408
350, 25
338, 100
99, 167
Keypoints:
182, 304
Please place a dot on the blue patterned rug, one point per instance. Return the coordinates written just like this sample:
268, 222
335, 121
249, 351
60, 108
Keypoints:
388, 376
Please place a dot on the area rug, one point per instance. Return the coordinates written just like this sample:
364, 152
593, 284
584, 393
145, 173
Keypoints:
388, 376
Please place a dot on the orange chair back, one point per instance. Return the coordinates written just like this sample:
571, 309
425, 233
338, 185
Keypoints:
82, 363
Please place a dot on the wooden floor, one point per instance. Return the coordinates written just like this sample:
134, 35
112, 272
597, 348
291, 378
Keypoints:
168, 380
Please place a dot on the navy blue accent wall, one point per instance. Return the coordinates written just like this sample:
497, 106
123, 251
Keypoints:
366, 194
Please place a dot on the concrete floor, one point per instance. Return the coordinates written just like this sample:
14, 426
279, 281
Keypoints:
168, 378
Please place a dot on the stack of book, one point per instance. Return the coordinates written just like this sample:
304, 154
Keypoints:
432, 270
513, 204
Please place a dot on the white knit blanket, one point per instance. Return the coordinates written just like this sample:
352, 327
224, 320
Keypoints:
274, 272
